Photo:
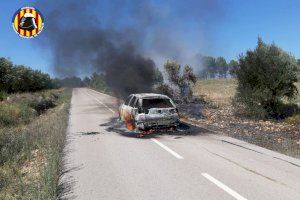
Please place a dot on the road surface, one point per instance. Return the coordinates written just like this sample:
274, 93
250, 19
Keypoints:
104, 162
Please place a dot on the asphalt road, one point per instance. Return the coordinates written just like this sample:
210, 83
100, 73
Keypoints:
104, 161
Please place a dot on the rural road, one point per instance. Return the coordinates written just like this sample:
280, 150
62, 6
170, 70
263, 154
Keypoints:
103, 161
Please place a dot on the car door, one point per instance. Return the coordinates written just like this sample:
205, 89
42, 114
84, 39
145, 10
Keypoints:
128, 114
124, 109
130, 108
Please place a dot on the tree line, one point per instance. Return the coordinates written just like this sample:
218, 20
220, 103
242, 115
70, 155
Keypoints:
216, 67
97, 81
266, 76
19, 78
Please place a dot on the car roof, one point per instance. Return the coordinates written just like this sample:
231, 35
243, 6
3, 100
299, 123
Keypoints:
150, 95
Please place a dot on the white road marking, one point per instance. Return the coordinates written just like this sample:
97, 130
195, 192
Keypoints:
99, 92
167, 149
101, 103
224, 187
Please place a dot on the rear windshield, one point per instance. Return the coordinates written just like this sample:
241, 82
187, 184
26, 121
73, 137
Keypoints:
155, 103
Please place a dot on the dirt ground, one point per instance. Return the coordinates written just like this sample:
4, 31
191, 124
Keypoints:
217, 114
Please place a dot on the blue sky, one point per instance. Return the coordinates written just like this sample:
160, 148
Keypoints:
234, 30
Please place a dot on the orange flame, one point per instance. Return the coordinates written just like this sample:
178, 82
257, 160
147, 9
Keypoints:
129, 122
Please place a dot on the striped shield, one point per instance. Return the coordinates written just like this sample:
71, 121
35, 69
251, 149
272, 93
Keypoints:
28, 22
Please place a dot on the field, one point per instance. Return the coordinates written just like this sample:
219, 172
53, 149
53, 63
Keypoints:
218, 91
221, 91
220, 116
32, 135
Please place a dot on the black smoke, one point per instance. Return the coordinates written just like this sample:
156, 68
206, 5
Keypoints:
117, 38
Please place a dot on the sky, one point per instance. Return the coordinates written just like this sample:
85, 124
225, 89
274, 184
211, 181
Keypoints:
226, 29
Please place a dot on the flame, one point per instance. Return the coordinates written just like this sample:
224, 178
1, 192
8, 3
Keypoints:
129, 122
131, 126
144, 133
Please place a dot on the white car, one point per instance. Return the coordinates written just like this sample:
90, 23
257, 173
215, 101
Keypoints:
149, 111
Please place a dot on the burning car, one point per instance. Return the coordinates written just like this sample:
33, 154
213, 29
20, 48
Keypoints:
149, 111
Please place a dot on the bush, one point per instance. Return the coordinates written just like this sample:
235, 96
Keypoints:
31, 154
181, 80
265, 76
41, 105
13, 114
163, 88
3, 95
22, 108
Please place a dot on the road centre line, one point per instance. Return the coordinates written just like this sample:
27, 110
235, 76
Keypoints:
224, 187
167, 148
101, 103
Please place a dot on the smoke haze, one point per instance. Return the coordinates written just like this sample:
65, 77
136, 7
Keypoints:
125, 40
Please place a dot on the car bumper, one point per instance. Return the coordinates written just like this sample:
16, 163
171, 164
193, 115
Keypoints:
157, 124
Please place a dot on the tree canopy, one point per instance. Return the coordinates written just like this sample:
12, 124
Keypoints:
19, 78
265, 76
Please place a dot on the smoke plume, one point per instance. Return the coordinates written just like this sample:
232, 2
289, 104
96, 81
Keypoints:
118, 37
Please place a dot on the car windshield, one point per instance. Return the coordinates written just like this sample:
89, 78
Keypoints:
155, 103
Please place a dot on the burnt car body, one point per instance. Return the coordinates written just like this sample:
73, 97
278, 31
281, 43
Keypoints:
149, 111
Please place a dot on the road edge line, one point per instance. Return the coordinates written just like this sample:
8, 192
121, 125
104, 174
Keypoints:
101, 103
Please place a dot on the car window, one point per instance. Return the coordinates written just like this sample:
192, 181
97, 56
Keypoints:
128, 100
156, 103
132, 101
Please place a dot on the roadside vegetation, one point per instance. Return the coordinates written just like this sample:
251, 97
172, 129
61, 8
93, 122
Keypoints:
19, 78
32, 135
33, 125
97, 82
261, 105
266, 75
179, 81
218, 114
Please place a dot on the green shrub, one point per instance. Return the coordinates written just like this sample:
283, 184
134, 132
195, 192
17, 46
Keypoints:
19, 78
295, 119
13, 114
180, 79
265, 76
10, 145
42, 104
3, 95
163, 88
31, 154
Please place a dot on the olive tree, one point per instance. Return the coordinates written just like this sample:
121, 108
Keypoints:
181, 79
265, 76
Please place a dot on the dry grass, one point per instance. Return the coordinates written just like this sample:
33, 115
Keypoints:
218, 91
221, 91
31, 153
21, 108
297, 100
295, 119
281, 136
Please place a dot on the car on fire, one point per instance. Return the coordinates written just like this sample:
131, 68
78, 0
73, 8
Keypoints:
146, 111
